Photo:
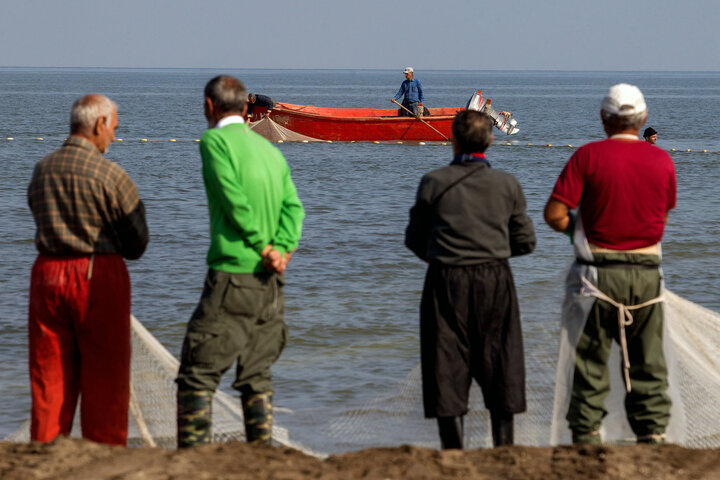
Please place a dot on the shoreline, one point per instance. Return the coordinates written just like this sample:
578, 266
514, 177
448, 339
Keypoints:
80, 459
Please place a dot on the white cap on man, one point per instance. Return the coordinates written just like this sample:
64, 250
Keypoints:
624, 99
408, 70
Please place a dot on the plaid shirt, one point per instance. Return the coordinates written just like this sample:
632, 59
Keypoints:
85, 204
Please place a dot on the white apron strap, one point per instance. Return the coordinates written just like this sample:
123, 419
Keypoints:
625, 318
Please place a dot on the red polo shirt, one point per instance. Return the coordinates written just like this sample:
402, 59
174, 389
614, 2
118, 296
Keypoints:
624, 188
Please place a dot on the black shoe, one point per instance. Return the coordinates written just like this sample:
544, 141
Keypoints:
502, 428
451, 432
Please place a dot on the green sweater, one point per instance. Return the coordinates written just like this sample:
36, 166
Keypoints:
251, 198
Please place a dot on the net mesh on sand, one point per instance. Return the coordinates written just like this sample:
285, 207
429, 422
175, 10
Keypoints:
395, 416
152, 418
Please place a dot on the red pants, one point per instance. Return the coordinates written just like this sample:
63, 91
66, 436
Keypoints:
80, 345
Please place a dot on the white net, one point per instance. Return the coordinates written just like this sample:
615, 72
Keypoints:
152, 419
395, 417
695, 334
693, 338
276, 133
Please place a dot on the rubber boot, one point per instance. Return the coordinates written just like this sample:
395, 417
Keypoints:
652, 439
194, 417
451, 432
586, 438
502, 428
257, 409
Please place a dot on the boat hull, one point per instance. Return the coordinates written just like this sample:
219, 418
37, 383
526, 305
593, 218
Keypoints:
364, 124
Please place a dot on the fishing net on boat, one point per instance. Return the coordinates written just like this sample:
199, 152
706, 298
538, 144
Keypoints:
395, 416
276, 133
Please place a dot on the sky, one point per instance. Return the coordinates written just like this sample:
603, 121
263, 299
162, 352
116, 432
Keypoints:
659, 35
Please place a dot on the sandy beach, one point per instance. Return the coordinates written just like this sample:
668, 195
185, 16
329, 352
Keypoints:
78, 459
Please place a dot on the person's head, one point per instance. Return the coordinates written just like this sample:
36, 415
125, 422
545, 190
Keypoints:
224, 95
94, 117
252, 97
623, 109
408, 73
472, 132
650, 135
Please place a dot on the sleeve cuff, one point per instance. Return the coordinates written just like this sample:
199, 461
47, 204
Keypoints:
560, 198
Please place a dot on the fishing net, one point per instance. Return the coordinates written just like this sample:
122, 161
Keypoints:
695, 335
152, 419
395, 416
691, 335
276, 133
692, 342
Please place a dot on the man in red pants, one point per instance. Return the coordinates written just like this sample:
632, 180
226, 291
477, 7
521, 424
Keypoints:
88, 216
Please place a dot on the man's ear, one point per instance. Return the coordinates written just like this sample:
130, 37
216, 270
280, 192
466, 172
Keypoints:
100, 125
209, 107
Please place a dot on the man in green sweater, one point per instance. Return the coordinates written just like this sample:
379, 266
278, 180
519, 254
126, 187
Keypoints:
255, 225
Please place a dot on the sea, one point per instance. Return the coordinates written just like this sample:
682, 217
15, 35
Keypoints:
353, 289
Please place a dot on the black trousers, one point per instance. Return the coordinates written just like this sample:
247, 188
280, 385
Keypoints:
412, 106
470, 328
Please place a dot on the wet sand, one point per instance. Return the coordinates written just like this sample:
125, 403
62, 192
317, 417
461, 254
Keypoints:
78, 459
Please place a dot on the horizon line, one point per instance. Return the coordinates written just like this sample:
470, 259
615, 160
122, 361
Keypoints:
544, 70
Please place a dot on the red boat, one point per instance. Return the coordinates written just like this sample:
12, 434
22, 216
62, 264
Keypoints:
362, 124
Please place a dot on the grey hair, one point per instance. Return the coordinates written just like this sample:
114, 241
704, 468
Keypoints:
86, 110
228, 94
623, 122
472, 131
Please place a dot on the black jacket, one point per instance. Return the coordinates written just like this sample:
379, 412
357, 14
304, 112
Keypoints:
481, 218
260, 101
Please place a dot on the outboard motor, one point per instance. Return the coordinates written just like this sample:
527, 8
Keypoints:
503, 120
476, 102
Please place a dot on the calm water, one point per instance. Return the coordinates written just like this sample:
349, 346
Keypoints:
353, 289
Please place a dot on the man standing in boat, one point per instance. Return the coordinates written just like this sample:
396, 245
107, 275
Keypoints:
412, 93
467, 221
255, 225
623, 189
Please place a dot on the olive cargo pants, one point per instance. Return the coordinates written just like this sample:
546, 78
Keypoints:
240, 319
647, 405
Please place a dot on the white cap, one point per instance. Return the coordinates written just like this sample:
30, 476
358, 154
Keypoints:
408, 70
624, 99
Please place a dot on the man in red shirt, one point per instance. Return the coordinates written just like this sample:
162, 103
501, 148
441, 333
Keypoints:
623, 189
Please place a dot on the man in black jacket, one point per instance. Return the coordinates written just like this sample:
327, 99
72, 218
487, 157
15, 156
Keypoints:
256, 100
467, 221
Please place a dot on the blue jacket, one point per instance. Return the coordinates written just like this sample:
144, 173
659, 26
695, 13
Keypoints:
412, 89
